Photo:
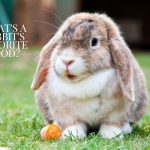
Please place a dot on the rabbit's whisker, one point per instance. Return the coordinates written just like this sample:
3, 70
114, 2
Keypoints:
46, 23
58, 18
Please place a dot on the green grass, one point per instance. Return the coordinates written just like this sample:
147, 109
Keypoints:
20, 121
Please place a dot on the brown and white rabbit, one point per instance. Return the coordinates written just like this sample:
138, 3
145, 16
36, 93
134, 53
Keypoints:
88, 77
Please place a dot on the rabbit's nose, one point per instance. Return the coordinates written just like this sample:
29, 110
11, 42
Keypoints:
68, 62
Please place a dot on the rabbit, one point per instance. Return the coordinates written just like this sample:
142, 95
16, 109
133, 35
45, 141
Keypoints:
88, 77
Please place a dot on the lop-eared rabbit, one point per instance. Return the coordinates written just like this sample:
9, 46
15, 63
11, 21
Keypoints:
87, 77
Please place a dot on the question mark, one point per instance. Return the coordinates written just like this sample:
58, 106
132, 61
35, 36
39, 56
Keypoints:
17, 52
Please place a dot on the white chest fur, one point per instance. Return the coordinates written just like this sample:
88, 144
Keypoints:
93, 110
88, 88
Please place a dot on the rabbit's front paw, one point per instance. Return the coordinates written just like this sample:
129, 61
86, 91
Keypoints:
110, 131
75, 131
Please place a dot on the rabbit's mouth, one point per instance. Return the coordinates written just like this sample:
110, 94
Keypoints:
69, 75
66, 75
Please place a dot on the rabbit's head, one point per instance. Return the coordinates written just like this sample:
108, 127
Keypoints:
84, 44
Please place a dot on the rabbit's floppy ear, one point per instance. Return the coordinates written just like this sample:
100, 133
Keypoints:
122, 62
122, 58
43, 64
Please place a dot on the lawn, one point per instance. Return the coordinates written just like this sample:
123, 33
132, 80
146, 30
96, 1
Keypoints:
20, 121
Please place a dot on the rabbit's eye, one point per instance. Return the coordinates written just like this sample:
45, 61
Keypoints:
94, 42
